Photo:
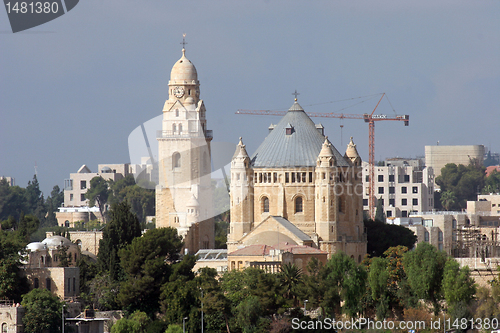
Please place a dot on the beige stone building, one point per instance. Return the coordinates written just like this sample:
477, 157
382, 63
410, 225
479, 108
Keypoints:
437, 157
297, 188
184, 194
403, 185
270, 259
11, 316
42, 271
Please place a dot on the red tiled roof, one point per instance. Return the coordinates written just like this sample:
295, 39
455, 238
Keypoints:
490, 169
253, 250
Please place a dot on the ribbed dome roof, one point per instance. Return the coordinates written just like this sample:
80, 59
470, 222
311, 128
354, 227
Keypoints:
298, 149
183, 70
56, 241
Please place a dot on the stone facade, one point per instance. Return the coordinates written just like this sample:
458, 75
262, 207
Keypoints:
63, 282
298, 188
184, 193
11, 316
86, 240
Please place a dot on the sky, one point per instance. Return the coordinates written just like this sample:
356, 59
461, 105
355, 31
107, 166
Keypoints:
72, 90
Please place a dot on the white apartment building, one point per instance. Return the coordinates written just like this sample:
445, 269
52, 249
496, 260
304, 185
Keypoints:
403, 185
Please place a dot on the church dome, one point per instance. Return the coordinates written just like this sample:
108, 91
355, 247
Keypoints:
183, 70
55, 241
36, 246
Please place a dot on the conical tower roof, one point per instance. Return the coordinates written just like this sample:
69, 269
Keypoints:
297, 146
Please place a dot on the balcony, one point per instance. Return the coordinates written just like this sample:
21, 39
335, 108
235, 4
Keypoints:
183, 135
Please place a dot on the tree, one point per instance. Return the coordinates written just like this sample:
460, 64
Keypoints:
424, 268
382, 236
54, 201
458, 286
345, 282
146, 262
464, 181
216, 306
98, 193
43, 312
492, 183
448, 199
378, 280
63, 256
35, 203
122, 228
290, 277
379, 213
136, 323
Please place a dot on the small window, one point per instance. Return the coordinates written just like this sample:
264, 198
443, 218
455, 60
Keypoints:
180, 128
71, 197
426, 236
365, 202
82, 197
83, 184
174, 128
265, 205
380, 178
440, 236
4, 328
415, 202
176, 160
380, 190
367, 178
388, 213
74, 285
392, 190
415, 189
391, 178
392, 202
177, 112
404, 189
36, 283
407, 178
48, 283
69, 285
404, 202
404, 213
298, 205
440, 246
66, 224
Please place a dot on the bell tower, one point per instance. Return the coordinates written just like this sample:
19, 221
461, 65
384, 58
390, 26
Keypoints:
184, 160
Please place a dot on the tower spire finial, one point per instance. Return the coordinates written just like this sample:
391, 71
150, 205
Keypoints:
183, 42
296, 94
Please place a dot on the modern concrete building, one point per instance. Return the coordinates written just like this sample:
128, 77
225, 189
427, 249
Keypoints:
403, 185
184, 193
437, 157
297, 188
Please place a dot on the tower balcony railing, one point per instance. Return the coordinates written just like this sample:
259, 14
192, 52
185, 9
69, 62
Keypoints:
184, 134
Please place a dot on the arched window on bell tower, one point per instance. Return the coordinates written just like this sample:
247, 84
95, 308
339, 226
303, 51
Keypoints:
180, 128
298, 205
265, 205
174, 128
176, 160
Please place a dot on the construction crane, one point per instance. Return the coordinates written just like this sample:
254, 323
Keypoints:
368, 118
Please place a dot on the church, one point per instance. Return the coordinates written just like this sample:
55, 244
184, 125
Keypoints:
184, 193
297, 189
